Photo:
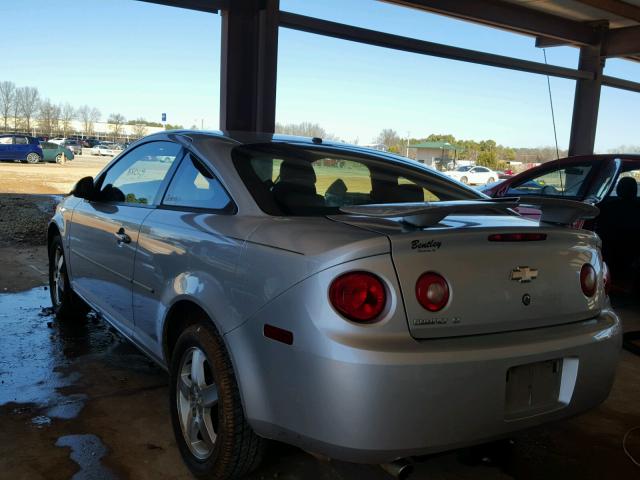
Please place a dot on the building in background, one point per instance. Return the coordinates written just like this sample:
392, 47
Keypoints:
433, 154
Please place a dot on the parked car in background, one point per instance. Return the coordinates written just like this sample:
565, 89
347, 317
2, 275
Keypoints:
52, 152
20, 147
74, 145
608, 181
473, 175
341, 299
58, 140
109, 150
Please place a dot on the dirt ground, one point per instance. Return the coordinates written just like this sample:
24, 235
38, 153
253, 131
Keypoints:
78, 400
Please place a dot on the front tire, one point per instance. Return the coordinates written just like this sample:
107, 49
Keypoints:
61, 159
208, 420
491, 180
465, 180
33, 158
66, 304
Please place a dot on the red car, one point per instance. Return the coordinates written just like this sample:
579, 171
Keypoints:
608, 181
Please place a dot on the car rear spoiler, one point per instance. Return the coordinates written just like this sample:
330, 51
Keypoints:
426, 214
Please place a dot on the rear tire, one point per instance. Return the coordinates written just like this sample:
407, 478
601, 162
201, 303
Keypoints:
33, 158
208, 420
67, 305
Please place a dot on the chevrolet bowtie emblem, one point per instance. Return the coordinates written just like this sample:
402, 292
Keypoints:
524, 274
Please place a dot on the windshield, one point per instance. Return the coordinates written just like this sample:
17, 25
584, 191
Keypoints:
304, 180
463, 169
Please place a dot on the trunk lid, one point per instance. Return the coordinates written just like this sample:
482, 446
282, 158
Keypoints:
495, 286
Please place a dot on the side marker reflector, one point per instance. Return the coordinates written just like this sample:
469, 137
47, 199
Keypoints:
278, 334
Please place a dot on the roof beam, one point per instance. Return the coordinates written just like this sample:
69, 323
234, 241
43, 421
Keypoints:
509, 16
622, 42
396, 42
616, 7
209, 6
620, 83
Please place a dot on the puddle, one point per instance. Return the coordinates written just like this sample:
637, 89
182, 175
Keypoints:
37, 351
86, 451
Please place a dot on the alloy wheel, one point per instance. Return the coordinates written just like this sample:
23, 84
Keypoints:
33, 158
197, 403
59, 277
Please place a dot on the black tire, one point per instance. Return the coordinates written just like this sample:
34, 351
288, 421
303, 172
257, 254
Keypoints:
236, 449
61, 159
464, 180
67, 305
491, 180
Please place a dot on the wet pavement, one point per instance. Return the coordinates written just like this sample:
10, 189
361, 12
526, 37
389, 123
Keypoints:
78, 401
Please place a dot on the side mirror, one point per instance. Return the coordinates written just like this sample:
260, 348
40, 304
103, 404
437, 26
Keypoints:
84, 188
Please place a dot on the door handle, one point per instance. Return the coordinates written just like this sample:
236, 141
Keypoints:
122, 237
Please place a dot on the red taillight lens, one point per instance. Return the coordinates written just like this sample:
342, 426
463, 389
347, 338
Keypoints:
432, 291
588, 280
358, 296
517, 237
606, 275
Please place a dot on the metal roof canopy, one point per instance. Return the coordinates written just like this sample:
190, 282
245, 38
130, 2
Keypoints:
600, 28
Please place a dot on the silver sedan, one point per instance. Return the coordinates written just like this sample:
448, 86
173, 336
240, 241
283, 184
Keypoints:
344, 300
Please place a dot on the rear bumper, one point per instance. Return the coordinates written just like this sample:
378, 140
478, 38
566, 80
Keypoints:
372, 406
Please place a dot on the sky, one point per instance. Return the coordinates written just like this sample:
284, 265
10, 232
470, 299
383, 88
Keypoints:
140, 60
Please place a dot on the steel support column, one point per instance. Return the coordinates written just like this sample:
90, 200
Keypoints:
586, 102
248, 65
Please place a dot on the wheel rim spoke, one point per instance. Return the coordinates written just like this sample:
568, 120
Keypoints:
197, 368
209, 396
208, 437
184, 387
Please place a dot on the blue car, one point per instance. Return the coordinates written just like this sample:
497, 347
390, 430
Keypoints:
20, 147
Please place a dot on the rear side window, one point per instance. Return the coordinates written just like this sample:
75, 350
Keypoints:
314, 181
564, 182
22, 141
137, 176
194, 186
6, 140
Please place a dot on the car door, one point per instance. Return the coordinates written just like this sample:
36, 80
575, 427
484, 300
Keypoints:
6, 144
21, 147
189, 245
104, 231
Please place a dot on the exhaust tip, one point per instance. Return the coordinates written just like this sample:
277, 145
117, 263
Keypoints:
400, 469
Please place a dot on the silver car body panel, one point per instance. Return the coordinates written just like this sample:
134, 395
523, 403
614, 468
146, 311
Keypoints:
369, 393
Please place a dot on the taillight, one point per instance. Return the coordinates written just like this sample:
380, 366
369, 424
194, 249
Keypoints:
606, 277
432, 291
517, 237
588, 280
358, 296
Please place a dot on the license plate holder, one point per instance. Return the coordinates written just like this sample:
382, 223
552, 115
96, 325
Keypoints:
533, 389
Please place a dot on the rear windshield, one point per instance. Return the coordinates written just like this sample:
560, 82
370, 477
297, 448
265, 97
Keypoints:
304, 180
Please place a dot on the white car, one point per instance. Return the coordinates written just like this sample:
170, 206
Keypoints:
100, 150
473, 175
57, 141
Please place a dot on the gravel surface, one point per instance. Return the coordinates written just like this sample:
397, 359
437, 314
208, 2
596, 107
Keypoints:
24, 219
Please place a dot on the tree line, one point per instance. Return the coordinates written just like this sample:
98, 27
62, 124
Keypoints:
23, 109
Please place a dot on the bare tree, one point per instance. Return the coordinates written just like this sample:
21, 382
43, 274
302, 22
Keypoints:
116, 122
28, 105
67, 114
305, 129
88, 116
139, 129
7, 99
15, 110
48, 117
389, 138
